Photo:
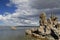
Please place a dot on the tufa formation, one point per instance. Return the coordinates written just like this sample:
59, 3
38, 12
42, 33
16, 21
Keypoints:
49, 28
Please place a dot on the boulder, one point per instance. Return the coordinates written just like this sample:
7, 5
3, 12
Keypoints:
28, 32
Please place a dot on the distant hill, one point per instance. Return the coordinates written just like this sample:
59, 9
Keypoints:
27, 26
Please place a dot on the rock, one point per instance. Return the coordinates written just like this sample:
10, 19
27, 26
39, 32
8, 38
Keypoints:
33, 29
49, 37
28, 32
54, 34
35, 35
41, 29
43, 20
39, 36
48, 29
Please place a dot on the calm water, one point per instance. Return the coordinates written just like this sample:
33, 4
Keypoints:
7, 34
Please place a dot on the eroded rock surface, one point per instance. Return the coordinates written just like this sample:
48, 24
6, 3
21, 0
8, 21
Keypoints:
49, 28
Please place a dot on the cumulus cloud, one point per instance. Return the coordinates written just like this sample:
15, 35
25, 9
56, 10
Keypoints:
43, 4
21, 16
27, 12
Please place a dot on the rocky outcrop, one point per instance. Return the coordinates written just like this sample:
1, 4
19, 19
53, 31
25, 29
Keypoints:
49, 28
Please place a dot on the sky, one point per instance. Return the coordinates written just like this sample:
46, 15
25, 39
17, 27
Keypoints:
26, 12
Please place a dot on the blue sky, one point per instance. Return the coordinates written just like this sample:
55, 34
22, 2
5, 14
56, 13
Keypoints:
4, 8
26, 12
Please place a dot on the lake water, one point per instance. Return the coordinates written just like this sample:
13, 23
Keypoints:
7, 34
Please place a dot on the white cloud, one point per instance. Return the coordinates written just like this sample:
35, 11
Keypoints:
22, 15
18, 1
23, 9
9, 5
